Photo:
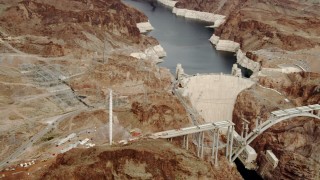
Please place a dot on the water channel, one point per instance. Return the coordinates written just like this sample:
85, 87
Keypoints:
185, 41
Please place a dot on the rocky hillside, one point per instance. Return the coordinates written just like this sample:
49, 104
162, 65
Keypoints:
295, 142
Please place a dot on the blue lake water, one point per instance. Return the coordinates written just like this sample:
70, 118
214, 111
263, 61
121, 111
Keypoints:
185, 41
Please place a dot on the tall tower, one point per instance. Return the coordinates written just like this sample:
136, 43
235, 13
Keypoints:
110, 116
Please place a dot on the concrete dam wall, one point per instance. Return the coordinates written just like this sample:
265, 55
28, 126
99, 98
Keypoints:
213, 95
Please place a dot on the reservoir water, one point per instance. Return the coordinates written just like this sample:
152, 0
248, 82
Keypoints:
185, 41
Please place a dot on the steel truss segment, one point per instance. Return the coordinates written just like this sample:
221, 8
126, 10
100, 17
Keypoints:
279, 113
292, 111
304, 108
314, 106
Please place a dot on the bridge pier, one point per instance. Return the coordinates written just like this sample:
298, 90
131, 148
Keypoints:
228, 140
230, 143
198, 147
186, 142
200, 144
215, 146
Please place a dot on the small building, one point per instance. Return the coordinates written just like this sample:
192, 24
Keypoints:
84, 141
272, 158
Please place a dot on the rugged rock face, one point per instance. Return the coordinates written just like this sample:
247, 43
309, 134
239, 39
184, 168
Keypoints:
295, 142
168, 114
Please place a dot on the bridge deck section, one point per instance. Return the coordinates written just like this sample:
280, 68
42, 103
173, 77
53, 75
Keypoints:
296, 110
192, 129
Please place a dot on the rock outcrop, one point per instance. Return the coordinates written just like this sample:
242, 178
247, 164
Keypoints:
199, 15
144, 27
154, 53
168, 3
226, 45
244, 61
